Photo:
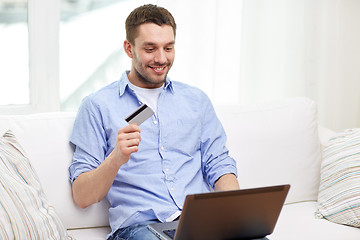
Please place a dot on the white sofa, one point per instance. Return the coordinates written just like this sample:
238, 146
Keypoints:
273, 143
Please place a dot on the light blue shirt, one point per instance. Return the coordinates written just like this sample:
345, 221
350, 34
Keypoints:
182, 149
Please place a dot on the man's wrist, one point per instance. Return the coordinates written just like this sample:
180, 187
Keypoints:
226, 182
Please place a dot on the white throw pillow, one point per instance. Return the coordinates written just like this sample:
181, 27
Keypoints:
24, 210
339, 192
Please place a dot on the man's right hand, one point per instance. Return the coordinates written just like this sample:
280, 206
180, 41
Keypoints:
127, 142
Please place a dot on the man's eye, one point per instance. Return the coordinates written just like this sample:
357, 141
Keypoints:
169, 49
149, 49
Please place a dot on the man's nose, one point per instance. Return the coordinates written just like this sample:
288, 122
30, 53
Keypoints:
160, 56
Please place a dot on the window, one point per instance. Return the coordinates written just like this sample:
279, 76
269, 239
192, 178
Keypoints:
14, 74
57, 52
91, 47
92, 55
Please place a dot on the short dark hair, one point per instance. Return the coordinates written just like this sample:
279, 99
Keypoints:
148, 13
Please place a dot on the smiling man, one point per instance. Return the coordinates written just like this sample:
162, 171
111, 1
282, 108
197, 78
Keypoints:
146, 171
152, 53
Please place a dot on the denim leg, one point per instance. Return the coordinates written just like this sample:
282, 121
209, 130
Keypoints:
135, 232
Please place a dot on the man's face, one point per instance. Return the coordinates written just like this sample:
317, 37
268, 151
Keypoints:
152, 55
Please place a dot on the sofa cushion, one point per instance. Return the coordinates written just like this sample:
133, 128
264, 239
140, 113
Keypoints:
339, 192
25, 212
297, 222
98, 233
45, 136
276, 143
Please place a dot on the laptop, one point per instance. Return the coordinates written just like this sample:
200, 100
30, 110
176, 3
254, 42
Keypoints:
239, 214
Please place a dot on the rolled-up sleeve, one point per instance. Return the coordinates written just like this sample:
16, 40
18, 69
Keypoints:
89, 139
216, 161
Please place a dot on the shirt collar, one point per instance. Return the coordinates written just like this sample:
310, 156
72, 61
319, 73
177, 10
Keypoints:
124, 83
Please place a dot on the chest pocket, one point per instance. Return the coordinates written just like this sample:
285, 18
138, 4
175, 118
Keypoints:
183, 136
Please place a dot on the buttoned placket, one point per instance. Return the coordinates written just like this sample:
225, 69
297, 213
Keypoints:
168, 176
167, 171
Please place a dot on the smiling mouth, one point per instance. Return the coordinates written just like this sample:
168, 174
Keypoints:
158, 69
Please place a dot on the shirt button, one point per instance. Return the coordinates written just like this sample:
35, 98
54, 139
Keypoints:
155, 122
167, 169
172, 189
162, 148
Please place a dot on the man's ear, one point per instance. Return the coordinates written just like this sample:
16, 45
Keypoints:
128, 48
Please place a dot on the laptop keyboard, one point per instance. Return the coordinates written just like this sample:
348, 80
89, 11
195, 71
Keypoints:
170, 233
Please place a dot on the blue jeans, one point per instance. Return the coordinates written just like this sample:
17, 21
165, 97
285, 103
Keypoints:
135, 232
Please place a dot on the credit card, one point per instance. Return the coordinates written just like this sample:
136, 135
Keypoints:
140, 115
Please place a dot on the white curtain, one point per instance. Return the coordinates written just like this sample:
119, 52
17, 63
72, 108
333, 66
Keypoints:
208, 46
304, 48
251, 51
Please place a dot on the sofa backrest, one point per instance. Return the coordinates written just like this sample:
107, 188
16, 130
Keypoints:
276, 143
45, 138
273, 144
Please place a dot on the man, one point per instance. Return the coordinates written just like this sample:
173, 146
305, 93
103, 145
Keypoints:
146, 171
